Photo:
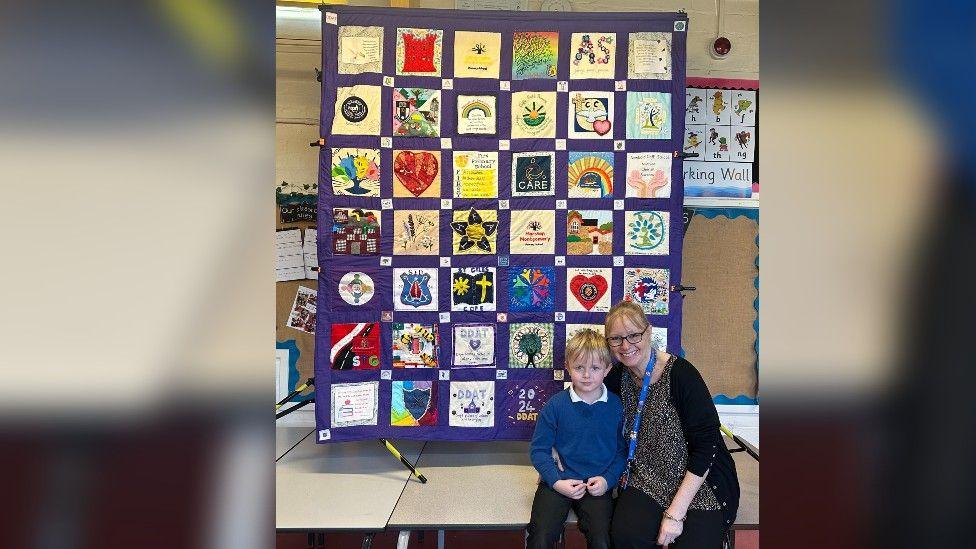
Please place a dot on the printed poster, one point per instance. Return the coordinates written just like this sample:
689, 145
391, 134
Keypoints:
743, 107
694, 141
743, 146
717, 141
718, 179
695, 106
302, 316
720, 126
717, 103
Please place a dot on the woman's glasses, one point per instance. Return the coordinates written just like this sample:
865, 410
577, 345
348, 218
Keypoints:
617, 341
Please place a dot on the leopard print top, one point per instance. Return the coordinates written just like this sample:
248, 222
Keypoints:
661, 458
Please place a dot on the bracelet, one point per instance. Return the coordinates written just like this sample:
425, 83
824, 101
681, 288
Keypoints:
667, 515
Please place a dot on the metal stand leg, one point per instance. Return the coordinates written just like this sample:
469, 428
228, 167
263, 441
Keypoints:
403, 539
440, 539
368, 541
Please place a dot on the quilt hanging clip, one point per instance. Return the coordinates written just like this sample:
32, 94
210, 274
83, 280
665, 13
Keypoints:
320, 143
680, 288
683, 155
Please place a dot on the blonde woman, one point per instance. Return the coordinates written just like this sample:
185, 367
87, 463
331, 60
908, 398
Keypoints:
679, 488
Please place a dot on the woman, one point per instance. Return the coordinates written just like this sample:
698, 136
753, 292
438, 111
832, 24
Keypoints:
681, 487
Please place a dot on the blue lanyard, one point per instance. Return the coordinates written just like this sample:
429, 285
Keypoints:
648, 370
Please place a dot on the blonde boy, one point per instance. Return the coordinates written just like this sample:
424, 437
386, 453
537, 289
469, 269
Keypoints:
584, 425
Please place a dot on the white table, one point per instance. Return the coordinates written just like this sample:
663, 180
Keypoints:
348, 486
471, 485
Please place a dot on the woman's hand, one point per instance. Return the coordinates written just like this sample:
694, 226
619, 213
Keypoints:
596, 486
571, 488
670, 530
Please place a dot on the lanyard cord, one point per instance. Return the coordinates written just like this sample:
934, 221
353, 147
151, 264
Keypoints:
648, 370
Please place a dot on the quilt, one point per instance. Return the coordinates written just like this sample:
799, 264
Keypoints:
491, 183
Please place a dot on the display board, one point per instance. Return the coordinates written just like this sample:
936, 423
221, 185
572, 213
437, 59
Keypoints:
490, 183
721, 317
721, 127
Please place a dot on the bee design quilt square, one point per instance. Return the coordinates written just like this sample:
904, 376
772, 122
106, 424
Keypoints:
415, 345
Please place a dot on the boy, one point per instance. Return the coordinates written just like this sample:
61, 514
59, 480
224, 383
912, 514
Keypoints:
584, 425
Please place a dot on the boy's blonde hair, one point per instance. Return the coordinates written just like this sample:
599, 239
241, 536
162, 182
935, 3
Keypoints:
588, 343
627, 310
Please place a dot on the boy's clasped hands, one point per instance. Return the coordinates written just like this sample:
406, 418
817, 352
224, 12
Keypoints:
576, 489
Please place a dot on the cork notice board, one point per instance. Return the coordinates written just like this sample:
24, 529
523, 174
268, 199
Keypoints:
721, 325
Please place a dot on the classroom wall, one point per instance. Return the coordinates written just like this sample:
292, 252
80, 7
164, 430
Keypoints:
298, 51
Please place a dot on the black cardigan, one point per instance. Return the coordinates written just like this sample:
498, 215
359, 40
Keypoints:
699, 421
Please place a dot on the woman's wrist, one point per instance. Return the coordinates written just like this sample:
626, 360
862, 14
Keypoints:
673, 517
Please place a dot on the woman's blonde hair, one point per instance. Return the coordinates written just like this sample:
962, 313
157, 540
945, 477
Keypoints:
627, 310
588, 343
